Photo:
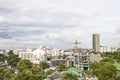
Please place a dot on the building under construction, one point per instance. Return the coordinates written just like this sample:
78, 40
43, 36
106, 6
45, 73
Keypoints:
80, 57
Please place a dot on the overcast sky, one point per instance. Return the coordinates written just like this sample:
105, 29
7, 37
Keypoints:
53, 23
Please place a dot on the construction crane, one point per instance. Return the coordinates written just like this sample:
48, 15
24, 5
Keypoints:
76, 44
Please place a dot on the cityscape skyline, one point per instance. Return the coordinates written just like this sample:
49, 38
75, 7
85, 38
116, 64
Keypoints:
29, 23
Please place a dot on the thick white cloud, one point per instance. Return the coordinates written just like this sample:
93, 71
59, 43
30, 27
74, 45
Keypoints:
2, 19
55, 22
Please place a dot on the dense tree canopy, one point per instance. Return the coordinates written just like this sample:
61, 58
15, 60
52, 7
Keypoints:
103, 70
13, 60
2, 57
44, 65
24, 64
113, 55
29, 71
1, 73
61, 66
108, 60
26, 70
69, 76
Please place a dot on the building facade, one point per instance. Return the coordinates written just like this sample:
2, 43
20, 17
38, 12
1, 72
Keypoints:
96, 42
35, 55
81, 59
95, 57
108, 49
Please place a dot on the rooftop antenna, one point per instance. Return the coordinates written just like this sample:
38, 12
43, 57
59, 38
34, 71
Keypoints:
41, 44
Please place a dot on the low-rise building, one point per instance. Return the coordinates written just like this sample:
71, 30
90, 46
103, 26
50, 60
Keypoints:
108, 49
4, 52
35, 55
55, 76
95, 57
56, 62
16, 51
53, 52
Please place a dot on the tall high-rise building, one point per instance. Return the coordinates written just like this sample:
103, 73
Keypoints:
96, 42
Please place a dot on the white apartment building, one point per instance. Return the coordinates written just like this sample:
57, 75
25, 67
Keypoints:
105, 49
16, 51
53, 51
108, 49
40, 54
28, 55
35, 55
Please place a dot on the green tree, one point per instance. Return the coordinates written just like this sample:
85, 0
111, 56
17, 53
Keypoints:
59, 57
64, 56
2, 57
30, 74
35, 69
13, 60
69, 76
48, 72
24, 74
104, 70
61, 66
9, 75
36, 77
94, 65
113, 55
29, 71
2, 73
10, 52
24, 64
44, 65
108, 60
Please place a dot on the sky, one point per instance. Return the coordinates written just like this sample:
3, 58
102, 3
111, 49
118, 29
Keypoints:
55, 23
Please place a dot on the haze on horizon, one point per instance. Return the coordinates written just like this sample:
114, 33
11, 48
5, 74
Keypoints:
30, 23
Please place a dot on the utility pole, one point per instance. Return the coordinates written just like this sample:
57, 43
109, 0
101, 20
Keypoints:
41, 67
